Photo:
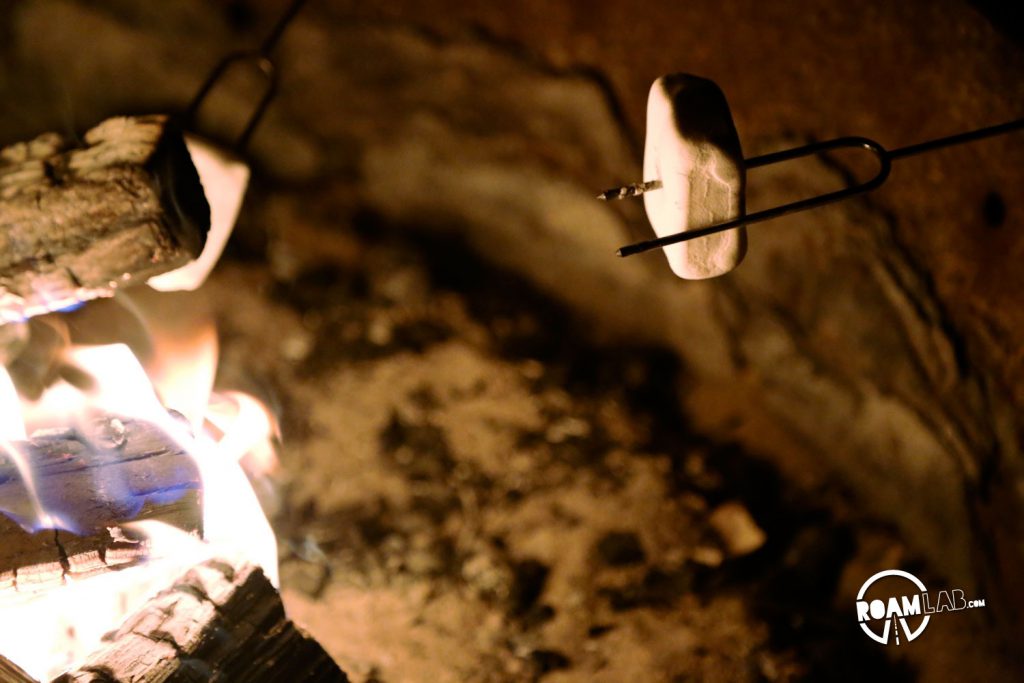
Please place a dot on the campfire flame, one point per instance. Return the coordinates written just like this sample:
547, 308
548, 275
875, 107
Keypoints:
12, 424
48, 632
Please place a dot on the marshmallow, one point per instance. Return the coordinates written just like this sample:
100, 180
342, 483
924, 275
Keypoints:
693, 149
224, 178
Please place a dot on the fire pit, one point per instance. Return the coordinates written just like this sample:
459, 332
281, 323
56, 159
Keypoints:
506, 453
109, 497
133, 543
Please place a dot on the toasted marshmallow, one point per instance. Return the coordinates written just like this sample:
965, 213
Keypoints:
693, 149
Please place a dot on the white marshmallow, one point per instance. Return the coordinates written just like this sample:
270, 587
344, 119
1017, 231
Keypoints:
693, 149
224, 178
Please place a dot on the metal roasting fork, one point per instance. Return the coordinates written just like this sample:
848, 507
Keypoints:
261, 59
884, 156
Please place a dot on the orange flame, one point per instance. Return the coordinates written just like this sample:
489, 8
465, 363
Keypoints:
48, 632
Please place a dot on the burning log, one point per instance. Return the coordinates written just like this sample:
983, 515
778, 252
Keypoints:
220, 621
125, 471
76, 223
12, 673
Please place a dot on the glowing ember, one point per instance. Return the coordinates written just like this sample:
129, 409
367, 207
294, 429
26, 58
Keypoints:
49, 631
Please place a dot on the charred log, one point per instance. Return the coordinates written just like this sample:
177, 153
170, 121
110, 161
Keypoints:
12, 673
122, 471
221, 621
78, 222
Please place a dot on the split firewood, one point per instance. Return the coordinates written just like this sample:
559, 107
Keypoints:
739, 532
221, 621
692, 148
12, 673
76, 223
123, 471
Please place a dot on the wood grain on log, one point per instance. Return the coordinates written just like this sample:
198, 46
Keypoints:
219, 622
124, 471
12, 673
78, 222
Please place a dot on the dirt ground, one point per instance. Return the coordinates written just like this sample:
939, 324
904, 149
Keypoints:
475, 493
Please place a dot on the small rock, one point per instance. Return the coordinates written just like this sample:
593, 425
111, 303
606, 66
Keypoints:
403, 285
532, 369
737, 528
567, 428
296, 347
380, 332
707, 555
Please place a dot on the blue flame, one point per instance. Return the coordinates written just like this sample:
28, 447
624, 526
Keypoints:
71, 307
83, 487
